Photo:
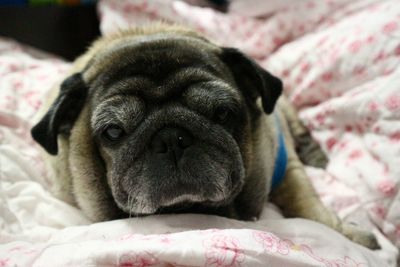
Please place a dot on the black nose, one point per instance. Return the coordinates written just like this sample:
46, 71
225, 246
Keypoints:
172, 142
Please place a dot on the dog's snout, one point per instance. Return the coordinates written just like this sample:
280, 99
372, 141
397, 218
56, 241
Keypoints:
171, 141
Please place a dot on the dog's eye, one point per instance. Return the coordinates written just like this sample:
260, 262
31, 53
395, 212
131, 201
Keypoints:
113, 132
221, 114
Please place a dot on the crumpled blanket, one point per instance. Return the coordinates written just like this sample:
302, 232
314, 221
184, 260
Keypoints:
339, 61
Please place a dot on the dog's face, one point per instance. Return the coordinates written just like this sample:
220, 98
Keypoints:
169, 118
167, 124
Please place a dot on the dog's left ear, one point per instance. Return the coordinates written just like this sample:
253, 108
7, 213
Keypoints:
62, 114
252, 79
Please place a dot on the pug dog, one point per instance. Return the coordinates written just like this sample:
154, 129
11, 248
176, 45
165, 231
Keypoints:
159, 119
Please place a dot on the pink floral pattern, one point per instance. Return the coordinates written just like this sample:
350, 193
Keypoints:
4, 262
272, 243
345, 262
223, 251
137, 260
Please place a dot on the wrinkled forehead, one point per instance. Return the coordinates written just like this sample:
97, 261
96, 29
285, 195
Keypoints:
155, 56
156, 67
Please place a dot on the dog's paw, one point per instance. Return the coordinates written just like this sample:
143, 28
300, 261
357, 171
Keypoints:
309, 151
362, 237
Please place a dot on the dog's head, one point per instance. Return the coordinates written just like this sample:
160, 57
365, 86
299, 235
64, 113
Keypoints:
170, 116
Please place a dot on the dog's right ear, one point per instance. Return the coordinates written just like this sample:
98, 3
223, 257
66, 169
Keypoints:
62, 114
253, 80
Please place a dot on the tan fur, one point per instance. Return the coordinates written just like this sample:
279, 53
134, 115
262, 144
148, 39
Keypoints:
295, 196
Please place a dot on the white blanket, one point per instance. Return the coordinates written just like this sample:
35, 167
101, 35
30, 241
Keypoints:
340, 64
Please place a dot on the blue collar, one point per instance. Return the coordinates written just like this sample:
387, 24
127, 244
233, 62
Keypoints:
281, 158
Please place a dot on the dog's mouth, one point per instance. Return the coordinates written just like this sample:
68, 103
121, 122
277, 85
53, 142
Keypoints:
142, 201
204, 207
184, 206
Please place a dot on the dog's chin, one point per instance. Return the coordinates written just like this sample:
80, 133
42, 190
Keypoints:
178, 204
184, 203
204, 207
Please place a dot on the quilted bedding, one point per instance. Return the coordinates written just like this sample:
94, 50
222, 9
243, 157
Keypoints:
339, 61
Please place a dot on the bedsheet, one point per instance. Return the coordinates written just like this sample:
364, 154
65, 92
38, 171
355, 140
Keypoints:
339, 61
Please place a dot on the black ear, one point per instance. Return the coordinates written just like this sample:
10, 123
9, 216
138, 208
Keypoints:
252, 79
62, 113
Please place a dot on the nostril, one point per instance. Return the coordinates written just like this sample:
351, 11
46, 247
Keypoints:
184, 141
159, 146
174, 140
